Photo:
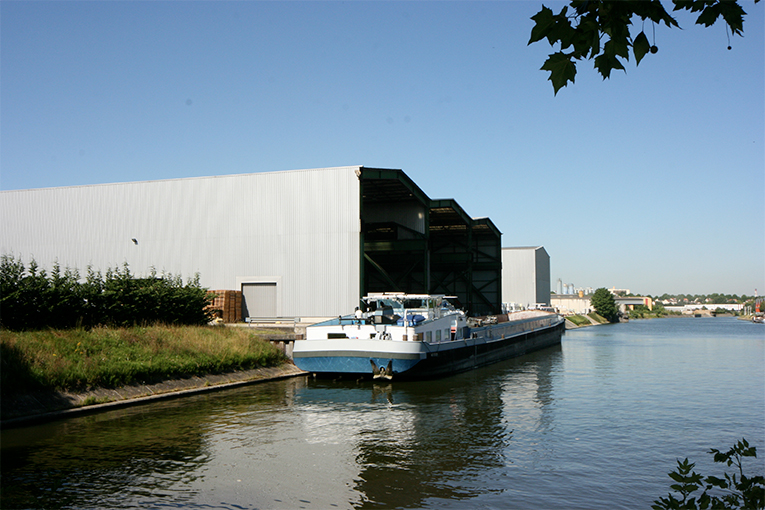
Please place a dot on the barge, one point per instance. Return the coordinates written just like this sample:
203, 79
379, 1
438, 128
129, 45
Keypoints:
420, 336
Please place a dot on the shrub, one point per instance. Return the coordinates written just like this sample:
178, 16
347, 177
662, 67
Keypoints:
31, 299
729, 492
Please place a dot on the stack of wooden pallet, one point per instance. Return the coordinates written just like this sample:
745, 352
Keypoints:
227, 305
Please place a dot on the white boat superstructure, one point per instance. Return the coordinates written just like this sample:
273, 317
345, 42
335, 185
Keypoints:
418, 335
397, 317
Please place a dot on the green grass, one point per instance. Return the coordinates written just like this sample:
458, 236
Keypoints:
579, 320
106, 357
90, 401
597, 318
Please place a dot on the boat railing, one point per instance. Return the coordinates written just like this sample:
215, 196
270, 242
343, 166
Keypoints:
349, 320
509, 329
487, 331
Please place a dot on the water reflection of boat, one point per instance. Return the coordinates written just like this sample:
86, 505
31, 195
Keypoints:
429, 440
408, 336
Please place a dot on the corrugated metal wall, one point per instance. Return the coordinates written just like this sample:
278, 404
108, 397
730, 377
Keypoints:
298, 228
519, 276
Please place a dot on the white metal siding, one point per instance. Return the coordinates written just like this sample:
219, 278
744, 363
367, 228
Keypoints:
519, 276
302, 226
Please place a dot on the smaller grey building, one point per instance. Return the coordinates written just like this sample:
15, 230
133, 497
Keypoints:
525, 276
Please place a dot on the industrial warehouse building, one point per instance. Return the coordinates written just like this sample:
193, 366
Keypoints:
304, 243
525, 276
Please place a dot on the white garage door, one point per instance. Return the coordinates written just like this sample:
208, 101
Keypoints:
259, 300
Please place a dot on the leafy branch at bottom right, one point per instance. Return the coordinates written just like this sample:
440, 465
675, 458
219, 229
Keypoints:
736, 491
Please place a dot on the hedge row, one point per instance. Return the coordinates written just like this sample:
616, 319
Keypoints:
30, 298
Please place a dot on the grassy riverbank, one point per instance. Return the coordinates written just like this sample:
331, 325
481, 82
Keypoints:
111, 357
586, 320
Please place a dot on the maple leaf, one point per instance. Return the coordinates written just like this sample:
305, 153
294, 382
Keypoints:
592, 21
562, 69
545, 22
605, 62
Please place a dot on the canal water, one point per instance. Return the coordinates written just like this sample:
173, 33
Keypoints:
596, 423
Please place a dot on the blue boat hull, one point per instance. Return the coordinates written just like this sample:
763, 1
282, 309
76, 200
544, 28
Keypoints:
352, 364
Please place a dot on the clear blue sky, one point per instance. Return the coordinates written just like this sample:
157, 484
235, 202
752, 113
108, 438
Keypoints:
653, 180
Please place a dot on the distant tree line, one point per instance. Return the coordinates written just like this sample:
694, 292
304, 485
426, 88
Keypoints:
30, 298
714, 298
643, 312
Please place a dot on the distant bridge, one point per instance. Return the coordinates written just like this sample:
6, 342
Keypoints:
629, 302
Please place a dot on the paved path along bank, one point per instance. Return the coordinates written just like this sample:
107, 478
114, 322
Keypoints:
45, 406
